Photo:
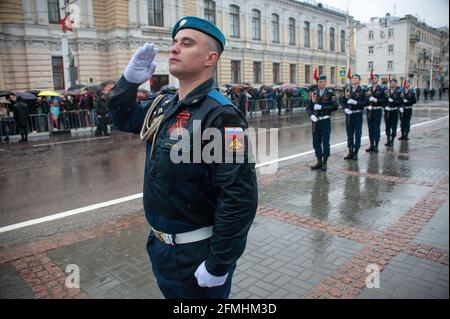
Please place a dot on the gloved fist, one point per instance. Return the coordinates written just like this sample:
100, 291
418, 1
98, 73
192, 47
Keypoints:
401, 110
373, 99
405, 101
314, 118
391, 100
317, 107
205, 279
369, 108
348, 111
141, 66
352, 101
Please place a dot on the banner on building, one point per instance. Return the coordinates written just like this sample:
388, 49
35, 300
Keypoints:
343, 73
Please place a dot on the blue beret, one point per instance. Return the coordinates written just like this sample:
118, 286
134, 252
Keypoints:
323, 77
377, 75
202, 25
357, 75
394, 79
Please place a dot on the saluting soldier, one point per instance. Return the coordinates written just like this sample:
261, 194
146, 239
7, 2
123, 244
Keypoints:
355, 101
406, 111
378, 99
395, 101
321, 103
199, 211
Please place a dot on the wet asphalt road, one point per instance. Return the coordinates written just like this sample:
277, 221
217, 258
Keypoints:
44, 180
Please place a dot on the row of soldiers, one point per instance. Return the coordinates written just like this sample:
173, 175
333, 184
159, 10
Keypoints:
396, 102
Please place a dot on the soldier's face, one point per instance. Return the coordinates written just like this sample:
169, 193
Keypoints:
393, 84
355, 80
189, 54
374, 80
322, 84
406, 85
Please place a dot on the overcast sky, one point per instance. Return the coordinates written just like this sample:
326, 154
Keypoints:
433, 12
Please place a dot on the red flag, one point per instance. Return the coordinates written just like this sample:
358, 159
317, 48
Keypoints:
349, 74
389, 78
371, 74
316, 76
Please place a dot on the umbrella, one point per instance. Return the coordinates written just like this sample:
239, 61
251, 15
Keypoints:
48, 93
76, 87
26, 96
6, 93
35, 92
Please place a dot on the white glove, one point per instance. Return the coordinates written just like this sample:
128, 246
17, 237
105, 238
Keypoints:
314, 118
348, 111
405, 101
391, 100
373, 99
141, 66
317, 107
352, 101
369, 108
401, 110
205, 279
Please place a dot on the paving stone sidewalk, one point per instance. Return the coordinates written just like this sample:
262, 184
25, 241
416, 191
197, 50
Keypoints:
314, 235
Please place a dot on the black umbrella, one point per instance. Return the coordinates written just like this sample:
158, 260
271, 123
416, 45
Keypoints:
26, 96
76, 87
6, 93
35, 92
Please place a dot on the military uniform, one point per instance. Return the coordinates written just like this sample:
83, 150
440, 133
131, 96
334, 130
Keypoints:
199, 211
321, 129
354, 121
374, 114
405, 117
391, 114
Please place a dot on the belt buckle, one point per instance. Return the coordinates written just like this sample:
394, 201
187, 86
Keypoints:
163, 237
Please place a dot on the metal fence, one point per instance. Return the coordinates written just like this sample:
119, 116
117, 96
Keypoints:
267, 105
41, 123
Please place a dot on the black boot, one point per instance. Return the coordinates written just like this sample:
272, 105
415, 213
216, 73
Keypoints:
324, 164
349, 155
318, 164
375, 147
355, 154
370, 149
406, 136
392, 142
388, 143
402, 137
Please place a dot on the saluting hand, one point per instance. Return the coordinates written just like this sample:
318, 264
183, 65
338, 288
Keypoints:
141, 66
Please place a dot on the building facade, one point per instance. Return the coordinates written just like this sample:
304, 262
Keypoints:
268, 42
403, 48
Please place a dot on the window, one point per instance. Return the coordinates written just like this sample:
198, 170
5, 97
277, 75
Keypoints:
256, 24
293, 73
370, 50
275, 28
155, 12
370, 65
371, 35
307, 74
53, 11
234, 21
307, 35
58, 72
391, 48
236, 71
210, 11
333, 75
391, 33
256, 72
320, 37
276, 73
320, 70
342, 41
332, 40
390, 65
291, 31
382, 34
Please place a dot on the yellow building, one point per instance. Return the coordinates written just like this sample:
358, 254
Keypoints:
267, 41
